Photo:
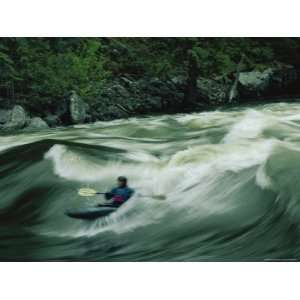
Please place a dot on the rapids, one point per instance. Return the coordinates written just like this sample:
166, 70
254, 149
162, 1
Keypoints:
231, 180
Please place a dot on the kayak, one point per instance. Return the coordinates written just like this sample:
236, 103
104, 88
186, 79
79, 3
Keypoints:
91, 213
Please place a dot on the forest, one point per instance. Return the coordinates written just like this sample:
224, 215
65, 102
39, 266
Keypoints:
117, 77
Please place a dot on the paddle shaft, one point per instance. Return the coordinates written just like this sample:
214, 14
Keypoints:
90, 192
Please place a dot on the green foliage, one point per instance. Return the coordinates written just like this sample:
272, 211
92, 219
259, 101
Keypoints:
45, 70
152, 57
7, 69
49, 71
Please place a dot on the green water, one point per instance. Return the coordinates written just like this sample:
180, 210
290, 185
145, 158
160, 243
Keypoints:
230, 178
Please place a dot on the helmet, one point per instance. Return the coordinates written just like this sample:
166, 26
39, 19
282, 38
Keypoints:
122, 178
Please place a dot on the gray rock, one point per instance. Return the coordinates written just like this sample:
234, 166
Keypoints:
18, 118
37, 123
256, 81
5, 116
280, 80
78, 109
52, 120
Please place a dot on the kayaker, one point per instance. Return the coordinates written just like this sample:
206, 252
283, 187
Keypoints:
120, 194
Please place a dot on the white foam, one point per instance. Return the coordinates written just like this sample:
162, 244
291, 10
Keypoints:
262, 179
186, 170
250, 126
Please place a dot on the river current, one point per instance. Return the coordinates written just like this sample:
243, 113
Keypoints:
231, 181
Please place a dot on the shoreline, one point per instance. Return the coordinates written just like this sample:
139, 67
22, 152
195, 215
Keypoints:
222, 107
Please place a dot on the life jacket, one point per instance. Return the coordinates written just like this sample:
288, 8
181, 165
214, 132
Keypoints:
118, 198
120, 195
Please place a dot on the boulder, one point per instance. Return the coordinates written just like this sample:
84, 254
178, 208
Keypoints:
18, 118
272, 82
52, 120
255, 82
78, 109
5, 116
37, 123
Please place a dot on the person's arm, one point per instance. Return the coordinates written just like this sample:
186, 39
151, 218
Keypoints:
110, 194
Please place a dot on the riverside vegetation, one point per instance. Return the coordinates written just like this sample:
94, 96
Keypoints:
62, 81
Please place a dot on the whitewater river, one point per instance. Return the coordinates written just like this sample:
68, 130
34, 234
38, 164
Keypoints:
231, 181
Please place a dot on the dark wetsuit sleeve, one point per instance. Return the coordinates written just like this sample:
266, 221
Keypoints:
109, 195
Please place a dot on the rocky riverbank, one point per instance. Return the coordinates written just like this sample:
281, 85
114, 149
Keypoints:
125, 97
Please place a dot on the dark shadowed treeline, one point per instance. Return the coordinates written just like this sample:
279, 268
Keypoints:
39, 73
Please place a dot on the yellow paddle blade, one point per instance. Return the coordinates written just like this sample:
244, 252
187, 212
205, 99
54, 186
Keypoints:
87, 192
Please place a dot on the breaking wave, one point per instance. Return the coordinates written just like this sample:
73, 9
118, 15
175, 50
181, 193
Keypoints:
230, 179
